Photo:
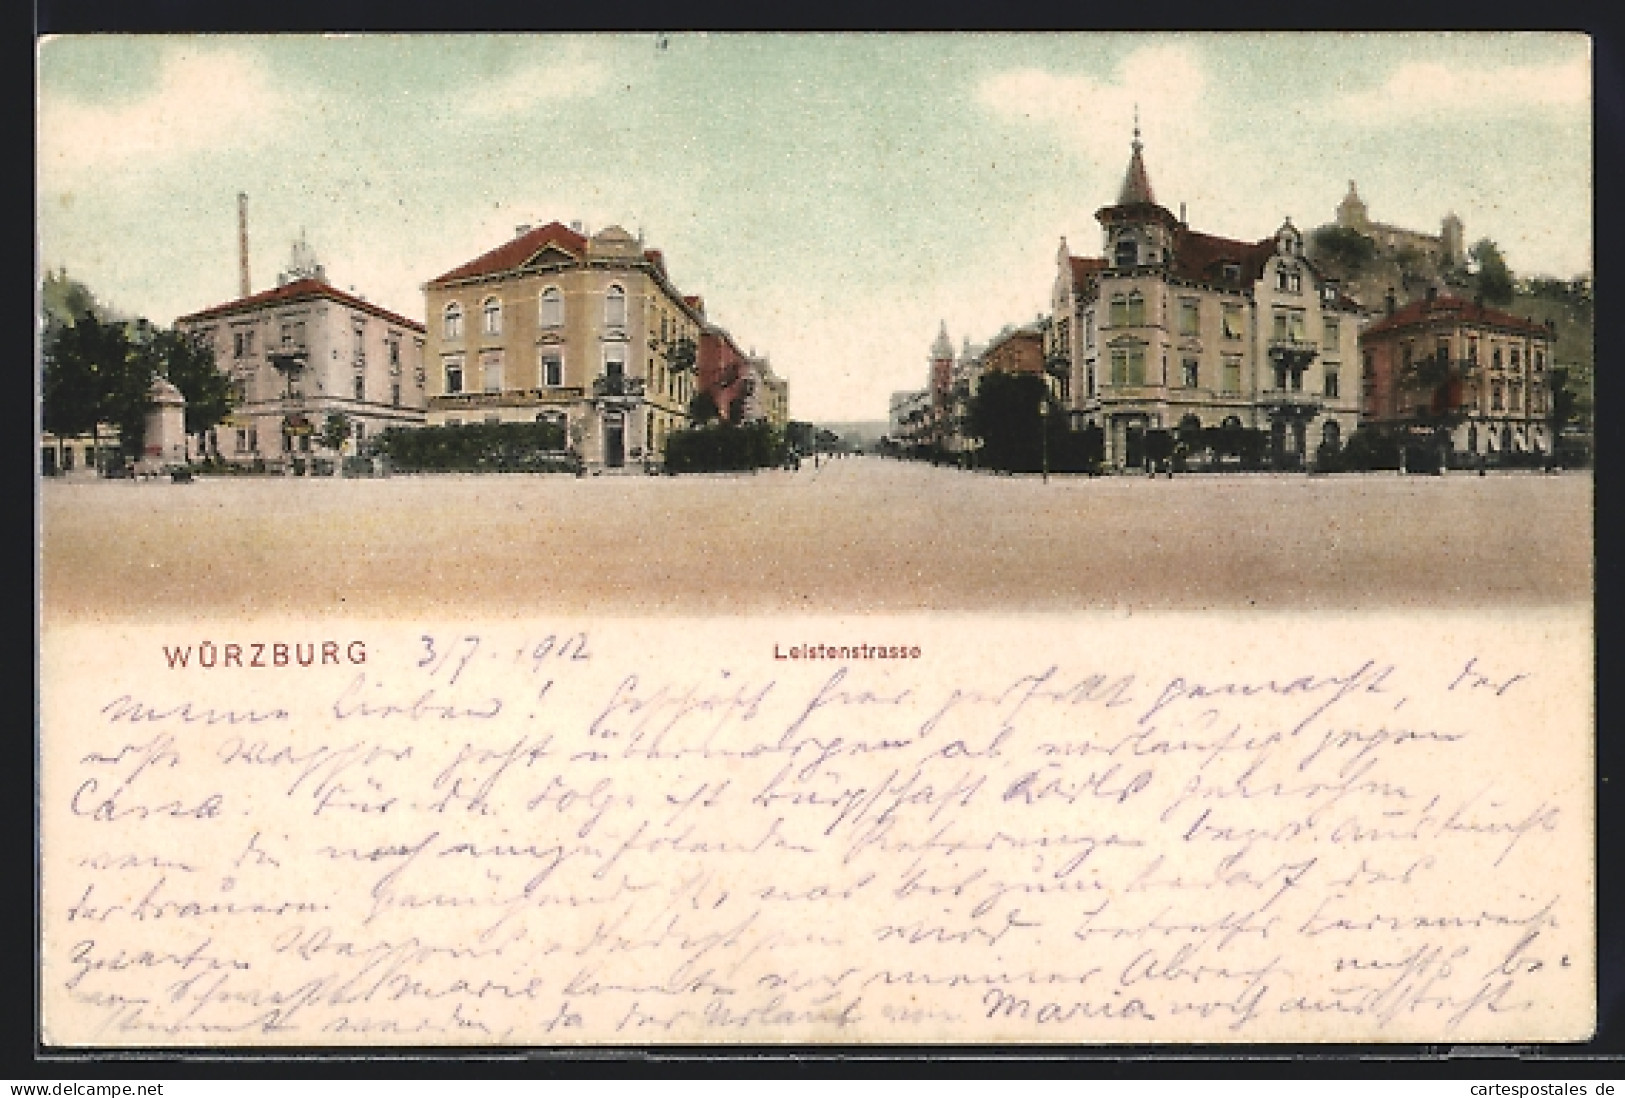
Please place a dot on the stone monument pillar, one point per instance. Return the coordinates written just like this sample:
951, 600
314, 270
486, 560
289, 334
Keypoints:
165, 443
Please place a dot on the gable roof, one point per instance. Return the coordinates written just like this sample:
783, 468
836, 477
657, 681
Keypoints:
1085, 267
515, 253
1449, 309
305, 289
1200, 257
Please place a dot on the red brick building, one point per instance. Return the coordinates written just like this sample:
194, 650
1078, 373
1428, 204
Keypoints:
1477, 372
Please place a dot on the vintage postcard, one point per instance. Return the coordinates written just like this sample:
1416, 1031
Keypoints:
857, 538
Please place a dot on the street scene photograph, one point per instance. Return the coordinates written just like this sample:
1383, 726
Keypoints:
735, 323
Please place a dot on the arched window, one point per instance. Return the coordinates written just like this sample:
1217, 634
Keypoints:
615, 307
454, 321
552, 308
491, 310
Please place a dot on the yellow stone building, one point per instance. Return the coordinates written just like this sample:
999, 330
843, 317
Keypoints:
555, 325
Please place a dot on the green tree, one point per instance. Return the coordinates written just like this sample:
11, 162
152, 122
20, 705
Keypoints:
1004, 415
335, 430
93, 377
1493, 278
703, 409
1344, 247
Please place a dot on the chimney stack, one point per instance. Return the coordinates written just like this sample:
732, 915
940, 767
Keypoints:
243, 284
520, 230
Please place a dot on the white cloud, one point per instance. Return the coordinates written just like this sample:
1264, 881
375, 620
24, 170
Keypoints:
1166, 84
570, 76
204, 99
1427, 88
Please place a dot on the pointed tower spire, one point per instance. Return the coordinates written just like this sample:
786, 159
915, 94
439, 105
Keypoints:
943, 347
1136, 183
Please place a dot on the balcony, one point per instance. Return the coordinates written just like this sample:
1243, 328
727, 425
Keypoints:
289, 356
617, 386
1292, 352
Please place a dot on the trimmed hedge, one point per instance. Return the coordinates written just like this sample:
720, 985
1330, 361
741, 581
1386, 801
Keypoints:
721, 447
477, 447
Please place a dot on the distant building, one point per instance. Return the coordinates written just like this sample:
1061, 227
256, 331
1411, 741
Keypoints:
767, 395
940, 382
554, 325
1447, 249
1478, 372
1174, 329
305, 351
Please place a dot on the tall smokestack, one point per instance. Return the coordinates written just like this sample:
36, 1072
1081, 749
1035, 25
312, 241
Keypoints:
242, 245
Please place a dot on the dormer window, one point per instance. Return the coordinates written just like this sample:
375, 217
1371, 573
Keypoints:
1232, 272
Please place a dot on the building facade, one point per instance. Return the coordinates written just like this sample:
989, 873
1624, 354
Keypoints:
1172, 329
1446, 363
585, 331
302, 352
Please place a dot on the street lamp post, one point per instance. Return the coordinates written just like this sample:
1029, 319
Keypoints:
1043, 431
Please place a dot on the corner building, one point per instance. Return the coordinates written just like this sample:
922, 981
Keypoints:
1173, 328
558, 326
302, 352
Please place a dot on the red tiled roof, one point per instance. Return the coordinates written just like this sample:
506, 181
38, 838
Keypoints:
1085, 267
304, 289
515, 252
1199, 257
1449, 309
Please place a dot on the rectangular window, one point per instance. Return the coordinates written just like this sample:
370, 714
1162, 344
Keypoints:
253, 438
1278, 326
1472, 351
1516, 393
1296, 329
242, 440
361, 386
1232, 375
1089, 328
1136, 309
1516, 361
1127, 253
491, 372
1136, 366
1442, 350
454, 375
1119, 366
1119, 313
1190, 318
1496, 400
1192, 374
1232, 321
615, 360
394, 354
1331, 333
360, 345
552, 371
1495, 358
395, 393
1331, 382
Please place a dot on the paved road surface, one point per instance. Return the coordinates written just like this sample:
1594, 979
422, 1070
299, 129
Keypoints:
858, 535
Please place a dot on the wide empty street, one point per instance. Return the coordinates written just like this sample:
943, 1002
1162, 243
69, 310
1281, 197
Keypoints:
858, 535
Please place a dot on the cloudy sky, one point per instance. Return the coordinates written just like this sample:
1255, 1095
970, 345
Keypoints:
833, 197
